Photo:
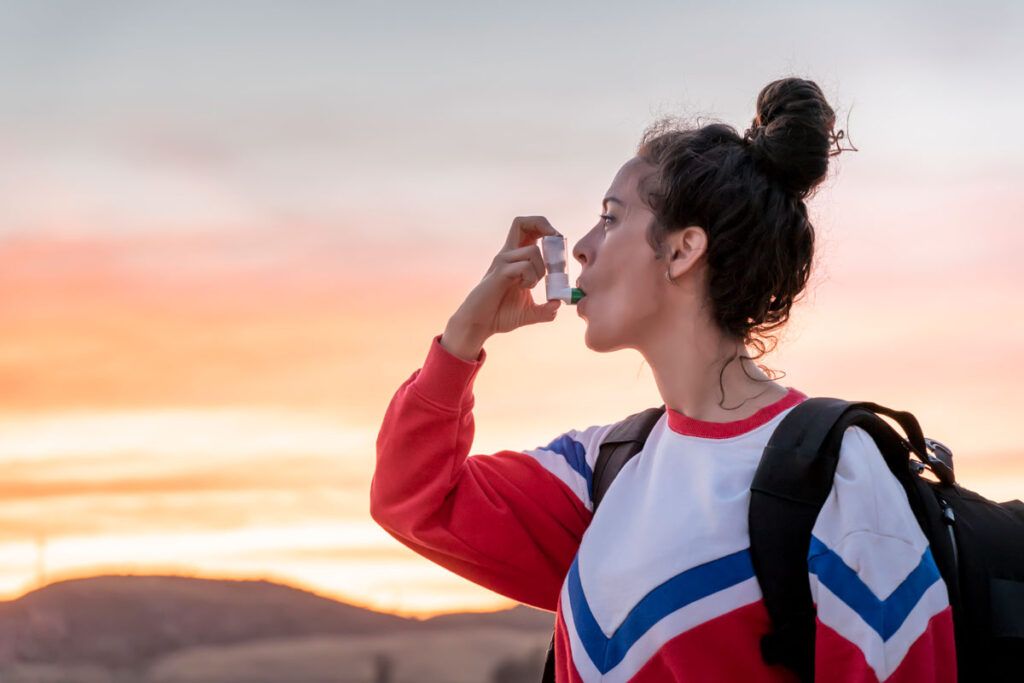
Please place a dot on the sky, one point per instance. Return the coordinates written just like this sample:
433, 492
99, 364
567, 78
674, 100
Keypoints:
229, 232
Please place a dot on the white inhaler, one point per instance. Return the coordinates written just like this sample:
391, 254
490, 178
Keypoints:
556, 282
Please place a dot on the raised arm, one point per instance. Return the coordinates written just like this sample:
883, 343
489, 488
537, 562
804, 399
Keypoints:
510, 521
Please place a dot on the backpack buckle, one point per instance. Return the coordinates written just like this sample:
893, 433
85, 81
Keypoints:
940, 461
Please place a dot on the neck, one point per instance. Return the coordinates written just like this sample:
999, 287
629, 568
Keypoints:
687, 361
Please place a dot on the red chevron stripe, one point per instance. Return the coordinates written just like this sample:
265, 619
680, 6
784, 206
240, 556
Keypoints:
930, 658
723, 649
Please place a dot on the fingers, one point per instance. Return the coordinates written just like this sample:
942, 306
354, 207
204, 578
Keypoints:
523, 271
527, 230
530, 254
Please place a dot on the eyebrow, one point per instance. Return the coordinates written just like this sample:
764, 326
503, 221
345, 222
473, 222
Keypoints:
612, 199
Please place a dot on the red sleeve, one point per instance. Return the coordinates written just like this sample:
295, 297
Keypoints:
503, 521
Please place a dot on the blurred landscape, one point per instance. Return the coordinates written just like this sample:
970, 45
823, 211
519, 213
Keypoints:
163, 629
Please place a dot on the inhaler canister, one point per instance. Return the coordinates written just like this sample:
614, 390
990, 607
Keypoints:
556, 282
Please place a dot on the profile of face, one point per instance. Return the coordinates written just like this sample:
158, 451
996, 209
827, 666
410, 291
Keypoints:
621, 274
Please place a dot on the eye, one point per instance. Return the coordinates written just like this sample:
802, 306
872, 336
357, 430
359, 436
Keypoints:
607, 218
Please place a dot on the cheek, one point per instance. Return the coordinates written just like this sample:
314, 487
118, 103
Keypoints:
629, 307
635, 307
638, 293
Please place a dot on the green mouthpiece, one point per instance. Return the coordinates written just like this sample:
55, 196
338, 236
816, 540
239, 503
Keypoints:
577, 294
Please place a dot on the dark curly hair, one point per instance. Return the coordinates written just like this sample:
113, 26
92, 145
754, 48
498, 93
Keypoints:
747, 193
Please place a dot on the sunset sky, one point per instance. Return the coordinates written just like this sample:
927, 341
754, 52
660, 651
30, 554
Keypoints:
229, 231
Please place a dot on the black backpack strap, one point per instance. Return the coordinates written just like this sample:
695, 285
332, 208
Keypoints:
549, 663
789, 488
623, 441
792, 482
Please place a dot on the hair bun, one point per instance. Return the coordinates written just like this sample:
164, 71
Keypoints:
791, 136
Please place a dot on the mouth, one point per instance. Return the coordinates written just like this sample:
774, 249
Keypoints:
579, 295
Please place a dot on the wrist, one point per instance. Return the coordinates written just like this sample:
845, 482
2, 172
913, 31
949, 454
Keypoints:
462, 340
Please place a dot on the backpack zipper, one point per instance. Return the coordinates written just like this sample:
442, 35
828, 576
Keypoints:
949, 518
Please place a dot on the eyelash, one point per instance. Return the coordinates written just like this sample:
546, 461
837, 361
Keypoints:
607, 218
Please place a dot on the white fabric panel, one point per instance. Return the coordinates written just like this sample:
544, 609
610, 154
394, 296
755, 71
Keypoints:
681, 502
867, 518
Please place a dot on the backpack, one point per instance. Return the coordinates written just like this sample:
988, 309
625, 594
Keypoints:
978, 545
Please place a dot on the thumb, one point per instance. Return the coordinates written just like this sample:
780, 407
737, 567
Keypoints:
545, 312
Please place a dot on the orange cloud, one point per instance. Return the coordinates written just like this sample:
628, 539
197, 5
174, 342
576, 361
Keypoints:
162, 320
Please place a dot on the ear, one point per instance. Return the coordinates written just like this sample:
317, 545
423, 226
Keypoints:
684, 248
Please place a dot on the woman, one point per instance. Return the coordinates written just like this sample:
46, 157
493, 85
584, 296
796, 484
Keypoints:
702, 248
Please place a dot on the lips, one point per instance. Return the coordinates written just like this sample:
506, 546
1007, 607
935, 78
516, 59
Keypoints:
579, 304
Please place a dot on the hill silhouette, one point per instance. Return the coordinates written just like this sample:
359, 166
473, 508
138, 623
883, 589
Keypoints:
129, 622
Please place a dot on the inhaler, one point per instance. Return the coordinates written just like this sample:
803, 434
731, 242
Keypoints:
556, 282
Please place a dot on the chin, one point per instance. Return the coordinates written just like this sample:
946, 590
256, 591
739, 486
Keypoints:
595, 341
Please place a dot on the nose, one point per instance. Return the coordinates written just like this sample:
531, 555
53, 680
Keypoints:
579, 253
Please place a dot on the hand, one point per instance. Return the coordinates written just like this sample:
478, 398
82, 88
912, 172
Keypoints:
502, 301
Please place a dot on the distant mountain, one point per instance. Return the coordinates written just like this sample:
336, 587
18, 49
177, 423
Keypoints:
129, 621
520, 617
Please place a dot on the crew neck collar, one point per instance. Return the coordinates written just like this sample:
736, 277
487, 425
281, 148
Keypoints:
688, 426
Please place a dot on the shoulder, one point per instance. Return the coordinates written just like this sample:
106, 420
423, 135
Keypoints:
583, 446
873, 578
866, 497
578, 445
571, 457
866, 543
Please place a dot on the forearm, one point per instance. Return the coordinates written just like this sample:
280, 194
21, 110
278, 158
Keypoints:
425, 437
463, 339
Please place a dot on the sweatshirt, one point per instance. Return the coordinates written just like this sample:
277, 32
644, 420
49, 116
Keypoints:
658, 584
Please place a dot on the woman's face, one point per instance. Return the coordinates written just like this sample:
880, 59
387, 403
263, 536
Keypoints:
623, 279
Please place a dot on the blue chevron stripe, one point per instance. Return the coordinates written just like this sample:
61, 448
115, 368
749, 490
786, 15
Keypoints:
681, 590
884, 616
576, 455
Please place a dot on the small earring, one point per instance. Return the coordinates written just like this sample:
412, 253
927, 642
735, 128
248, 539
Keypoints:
669, 278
